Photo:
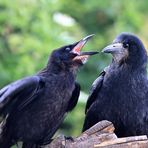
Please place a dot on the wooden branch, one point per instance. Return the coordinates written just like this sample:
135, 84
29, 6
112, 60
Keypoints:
100, 135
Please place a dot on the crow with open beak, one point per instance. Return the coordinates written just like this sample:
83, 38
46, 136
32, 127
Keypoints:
33, 107
120, 93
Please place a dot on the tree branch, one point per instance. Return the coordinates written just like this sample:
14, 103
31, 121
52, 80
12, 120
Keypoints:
100, 135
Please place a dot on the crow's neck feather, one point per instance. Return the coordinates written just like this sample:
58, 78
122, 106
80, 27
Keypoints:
54, 69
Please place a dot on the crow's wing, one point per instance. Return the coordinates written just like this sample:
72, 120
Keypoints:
20, 92
74, 98
96, 86
72, 103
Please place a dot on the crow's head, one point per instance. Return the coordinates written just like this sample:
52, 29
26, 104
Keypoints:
127, 48
71, 56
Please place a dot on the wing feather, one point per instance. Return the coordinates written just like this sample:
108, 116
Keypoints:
96, 86
74, 98
22, 91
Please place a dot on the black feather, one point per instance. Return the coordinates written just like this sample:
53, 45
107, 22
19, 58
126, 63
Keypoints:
122, 97
94, 90
74, 98
34, 107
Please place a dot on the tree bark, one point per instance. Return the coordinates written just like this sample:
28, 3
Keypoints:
100, 135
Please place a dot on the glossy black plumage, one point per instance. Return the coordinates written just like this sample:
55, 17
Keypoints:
120, 93
34, 107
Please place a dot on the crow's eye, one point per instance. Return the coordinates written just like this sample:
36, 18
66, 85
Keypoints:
125, 45
67, 49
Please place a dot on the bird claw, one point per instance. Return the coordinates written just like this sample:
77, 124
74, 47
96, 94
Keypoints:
69, 138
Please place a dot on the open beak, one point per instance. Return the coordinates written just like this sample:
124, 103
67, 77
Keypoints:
113, 48
83, 56
79, 45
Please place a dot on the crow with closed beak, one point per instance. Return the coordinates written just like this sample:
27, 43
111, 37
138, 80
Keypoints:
33, 107
120, 93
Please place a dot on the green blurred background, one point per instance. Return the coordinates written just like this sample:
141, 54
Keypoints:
31, 29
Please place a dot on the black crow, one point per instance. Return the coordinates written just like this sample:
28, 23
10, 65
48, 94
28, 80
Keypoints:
34, 107
120, 93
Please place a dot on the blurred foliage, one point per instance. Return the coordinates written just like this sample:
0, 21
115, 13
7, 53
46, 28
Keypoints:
31, 29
